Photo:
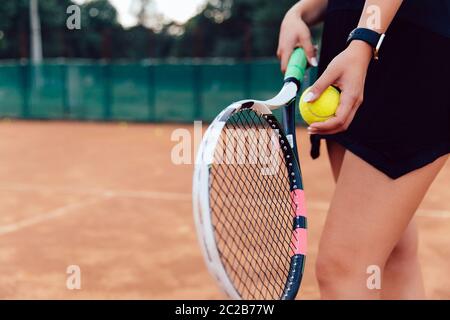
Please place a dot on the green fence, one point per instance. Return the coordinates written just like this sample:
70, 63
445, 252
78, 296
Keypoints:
151, 92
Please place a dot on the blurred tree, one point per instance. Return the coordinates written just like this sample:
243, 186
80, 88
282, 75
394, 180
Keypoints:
99, 18
223, 28
234, 28
14, 26
146, 14
53, 25
144, 39
266, 21
100, 26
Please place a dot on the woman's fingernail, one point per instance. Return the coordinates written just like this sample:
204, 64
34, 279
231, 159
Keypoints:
309, 97
314, 62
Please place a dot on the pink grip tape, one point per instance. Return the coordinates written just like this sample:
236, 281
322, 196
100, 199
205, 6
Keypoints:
299, 241
298, 199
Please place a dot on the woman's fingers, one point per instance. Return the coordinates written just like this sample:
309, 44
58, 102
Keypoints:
333, 125
295, 34
310, 51
284, 56
326, 79
285, 48
349, 77
338, 128
349, 101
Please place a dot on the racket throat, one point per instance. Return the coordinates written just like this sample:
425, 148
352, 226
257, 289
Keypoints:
290, 139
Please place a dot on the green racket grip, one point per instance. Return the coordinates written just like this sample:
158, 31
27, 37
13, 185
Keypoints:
297, 65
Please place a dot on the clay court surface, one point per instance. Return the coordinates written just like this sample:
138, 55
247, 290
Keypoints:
107, 198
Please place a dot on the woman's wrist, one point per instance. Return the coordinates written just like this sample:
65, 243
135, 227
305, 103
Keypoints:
361, 50
297, 10
309, 12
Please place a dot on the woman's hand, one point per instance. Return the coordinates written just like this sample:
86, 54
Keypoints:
295, 33
348, 72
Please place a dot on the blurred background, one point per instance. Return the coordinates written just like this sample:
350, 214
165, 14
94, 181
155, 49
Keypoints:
93, 98
145, 29
140, 60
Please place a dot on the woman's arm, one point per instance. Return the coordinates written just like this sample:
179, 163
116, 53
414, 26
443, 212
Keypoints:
311, 11
348, 70
385, 10
295, 31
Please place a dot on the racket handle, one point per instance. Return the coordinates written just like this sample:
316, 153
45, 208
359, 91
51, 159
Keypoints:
297, 65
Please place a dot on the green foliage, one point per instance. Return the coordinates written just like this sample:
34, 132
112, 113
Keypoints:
97, 16
224, 28
235, 28
13, 17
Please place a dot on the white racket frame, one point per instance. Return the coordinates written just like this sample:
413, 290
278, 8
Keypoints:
201, 183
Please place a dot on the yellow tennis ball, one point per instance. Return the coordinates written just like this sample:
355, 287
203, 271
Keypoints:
321, 109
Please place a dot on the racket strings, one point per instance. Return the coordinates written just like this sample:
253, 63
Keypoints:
257, 240
257, 193
251, 244
260, 239
252, 210
273, 188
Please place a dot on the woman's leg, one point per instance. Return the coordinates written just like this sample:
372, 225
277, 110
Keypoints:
368, 215
402, 276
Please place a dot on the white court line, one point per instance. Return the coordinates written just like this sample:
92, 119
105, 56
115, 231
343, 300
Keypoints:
158, 195
64, 210
50, 215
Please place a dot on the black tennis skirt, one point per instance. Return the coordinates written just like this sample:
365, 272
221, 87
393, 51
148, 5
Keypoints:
404, 121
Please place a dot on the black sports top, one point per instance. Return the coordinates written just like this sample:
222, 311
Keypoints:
433, 15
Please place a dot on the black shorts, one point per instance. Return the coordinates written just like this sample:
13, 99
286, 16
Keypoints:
404, 121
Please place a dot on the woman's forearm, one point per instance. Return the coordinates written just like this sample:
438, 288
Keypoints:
378, 14
311, 11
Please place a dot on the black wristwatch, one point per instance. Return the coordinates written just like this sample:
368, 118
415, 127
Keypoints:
373, 38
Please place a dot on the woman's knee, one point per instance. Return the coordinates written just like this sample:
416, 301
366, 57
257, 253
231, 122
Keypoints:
406, 249
337, 265
333, 266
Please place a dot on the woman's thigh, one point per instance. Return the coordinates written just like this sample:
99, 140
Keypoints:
369, 213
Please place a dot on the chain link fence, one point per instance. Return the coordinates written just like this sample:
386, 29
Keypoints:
179, 91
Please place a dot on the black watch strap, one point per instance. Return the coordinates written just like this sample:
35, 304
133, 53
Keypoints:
373, 38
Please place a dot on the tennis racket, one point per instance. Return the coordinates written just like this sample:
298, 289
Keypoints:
248, 198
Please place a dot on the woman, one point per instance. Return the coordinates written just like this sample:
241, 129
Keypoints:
386, 151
